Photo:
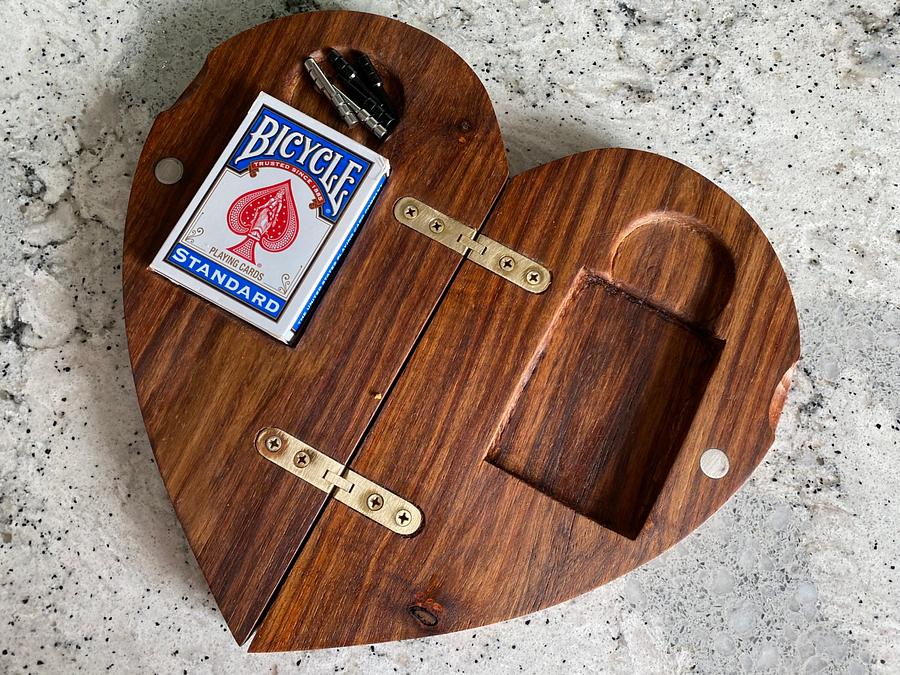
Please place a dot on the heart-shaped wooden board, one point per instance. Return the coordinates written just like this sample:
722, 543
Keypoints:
552, 441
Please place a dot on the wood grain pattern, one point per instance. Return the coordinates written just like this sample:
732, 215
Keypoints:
206, 382
638, 375
495, 546
552, 441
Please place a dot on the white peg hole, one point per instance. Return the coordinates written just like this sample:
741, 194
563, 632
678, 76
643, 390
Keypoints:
714, 463
169, 170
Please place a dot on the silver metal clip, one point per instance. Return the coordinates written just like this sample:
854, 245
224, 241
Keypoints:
364, 116
336, 97
349, 111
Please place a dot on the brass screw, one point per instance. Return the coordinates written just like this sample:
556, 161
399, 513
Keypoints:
507, 263
410, 211
534, 277
437, 226
402, 517
375, 501
273, 443
302, 459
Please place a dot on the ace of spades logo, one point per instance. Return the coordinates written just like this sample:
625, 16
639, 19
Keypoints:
265, 216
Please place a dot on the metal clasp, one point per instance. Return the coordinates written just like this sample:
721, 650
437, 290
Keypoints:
490, 254
332, 477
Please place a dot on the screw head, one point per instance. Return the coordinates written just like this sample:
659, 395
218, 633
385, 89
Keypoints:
410, 211
273, 443
374, 501
533, 277
402, 517
436, 226
302, 459
507, 263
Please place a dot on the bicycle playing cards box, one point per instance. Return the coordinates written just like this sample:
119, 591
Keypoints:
273, 217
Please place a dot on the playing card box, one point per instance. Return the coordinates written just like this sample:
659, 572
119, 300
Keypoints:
273, 217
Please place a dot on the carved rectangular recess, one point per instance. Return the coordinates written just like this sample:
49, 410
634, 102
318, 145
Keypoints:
607, 403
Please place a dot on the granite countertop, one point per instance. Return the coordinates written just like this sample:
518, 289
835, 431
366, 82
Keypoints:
792, 108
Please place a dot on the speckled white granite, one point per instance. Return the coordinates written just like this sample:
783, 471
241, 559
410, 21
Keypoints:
792, 108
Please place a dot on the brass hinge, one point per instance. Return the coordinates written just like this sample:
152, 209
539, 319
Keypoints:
330, 476
490, 254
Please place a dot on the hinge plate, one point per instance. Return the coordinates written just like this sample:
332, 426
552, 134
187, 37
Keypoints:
490, 254
332, 477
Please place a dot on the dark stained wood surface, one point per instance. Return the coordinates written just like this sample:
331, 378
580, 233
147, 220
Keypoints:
552, 441
649, 260
637, 375
207, 382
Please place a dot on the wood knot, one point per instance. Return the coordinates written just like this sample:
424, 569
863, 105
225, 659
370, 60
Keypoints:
426, 611
423, 616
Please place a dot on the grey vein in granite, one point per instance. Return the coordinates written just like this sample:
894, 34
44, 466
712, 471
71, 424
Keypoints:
792, 108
